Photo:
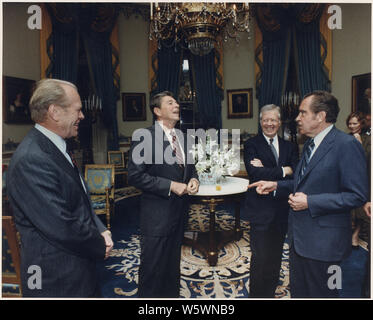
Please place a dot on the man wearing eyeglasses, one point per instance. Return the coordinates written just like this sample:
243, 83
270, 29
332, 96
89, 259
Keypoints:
267, 157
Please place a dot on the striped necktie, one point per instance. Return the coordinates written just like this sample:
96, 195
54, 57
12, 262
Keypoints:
177, 151
306, 157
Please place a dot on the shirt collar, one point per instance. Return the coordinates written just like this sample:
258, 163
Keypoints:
59, 142
321, 135
275, 139
166, 130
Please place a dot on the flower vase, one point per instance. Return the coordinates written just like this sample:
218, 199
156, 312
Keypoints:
207, 178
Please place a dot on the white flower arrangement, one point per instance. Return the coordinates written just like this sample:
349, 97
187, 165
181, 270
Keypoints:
215, 160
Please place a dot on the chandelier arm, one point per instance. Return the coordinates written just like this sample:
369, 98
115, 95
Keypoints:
199, 24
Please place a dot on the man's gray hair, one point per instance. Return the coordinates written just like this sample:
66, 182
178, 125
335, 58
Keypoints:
270, 107
47, 92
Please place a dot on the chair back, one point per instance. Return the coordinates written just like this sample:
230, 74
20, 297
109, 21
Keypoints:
11, 259
117, 159
99, 177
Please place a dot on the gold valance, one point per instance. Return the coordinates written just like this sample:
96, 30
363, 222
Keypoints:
269, 19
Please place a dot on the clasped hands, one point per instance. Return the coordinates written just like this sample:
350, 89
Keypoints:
297, 201
182, 188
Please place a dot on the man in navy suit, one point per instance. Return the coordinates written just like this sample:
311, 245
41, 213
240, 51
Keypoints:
268, 157
61, 236
330, 180
158, 166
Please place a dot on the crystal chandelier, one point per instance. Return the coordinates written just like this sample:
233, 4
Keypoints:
200, 24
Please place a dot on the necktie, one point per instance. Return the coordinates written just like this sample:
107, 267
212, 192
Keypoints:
76, 169
306, 157
177, 151
71, 154
273, 149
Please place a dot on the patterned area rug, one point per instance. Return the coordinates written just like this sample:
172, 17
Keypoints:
228, 279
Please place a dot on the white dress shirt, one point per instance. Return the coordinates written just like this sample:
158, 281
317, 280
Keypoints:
320, 137
169, 133
275, 144
60, 143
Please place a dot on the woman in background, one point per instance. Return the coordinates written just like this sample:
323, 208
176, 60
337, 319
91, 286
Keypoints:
355, 123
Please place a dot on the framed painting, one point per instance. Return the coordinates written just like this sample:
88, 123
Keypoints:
240, 103
361, 85
134, 106
16, 96
116, 158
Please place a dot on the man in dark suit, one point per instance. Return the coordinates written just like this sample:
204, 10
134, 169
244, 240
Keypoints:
61, 237
268, 157
328, 183
159, 168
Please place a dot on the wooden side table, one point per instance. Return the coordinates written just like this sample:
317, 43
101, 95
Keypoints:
211, 242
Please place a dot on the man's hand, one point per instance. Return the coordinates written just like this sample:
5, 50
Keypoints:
108, 241
288, 171
366, 208
178, 188
298, 201
263, 187
256, 163
193, 186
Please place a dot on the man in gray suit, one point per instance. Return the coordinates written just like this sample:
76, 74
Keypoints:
164, 201
61, 237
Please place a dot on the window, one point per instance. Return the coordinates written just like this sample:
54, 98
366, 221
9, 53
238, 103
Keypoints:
189, 116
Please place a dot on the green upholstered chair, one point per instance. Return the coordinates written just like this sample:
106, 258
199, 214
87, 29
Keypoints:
100, 182
11, 259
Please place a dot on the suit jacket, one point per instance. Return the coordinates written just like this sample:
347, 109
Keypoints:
335, 182
161, 211
59, 231
366, 143
263, 210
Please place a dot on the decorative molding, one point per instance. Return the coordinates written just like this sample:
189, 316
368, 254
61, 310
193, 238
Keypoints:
134, 9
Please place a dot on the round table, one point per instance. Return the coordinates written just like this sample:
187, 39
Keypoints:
209, 243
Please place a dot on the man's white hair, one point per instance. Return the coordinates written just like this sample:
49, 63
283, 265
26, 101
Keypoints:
270, 107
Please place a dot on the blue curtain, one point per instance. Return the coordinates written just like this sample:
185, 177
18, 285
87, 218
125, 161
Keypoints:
96, 38
274, 73
209, 95
281, 25
93, 23
309, 65
274, 24
65, 41
169, 67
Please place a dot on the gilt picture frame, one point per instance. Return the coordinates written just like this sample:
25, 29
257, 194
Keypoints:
240, 103
134, 106
16, 96
361, 87
116, 158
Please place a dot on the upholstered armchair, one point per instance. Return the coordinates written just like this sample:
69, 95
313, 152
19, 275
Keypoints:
100, 182
11, 259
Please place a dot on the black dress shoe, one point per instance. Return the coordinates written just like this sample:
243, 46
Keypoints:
355, 247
